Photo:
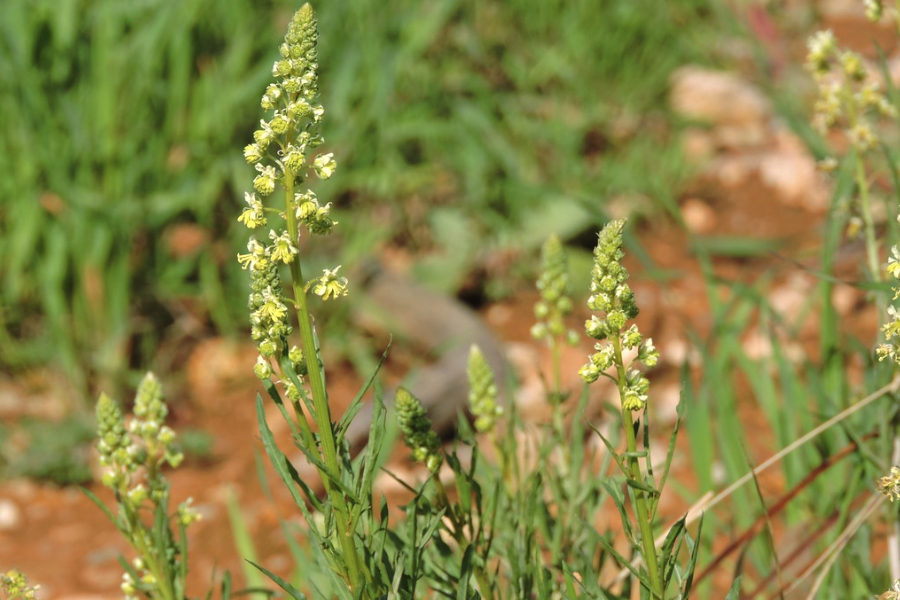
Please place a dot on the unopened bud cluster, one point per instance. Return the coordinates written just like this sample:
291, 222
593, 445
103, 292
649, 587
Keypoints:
850, 98
482, 392
134, 455
612, 296
282, 153
147, 443
555, 303
417, 431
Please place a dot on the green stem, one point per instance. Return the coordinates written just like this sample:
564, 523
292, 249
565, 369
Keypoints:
150, 558
319, 395
871, 241
640, 501
557, 369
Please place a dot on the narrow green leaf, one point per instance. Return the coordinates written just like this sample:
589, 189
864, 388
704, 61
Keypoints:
692, 563
735, 592
612, 451
287, 587
100, 504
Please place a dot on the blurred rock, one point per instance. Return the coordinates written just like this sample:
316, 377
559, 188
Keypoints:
697, 144
10, 515
717, 98
218, 365
791, 171
789, 299
698, 216
845, 298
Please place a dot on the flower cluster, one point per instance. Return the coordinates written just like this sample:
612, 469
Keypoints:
482, 392
891, 329
146, 443
612, 296
417, 432
269, 319
15, 586
890, 485
874, 9
893, 593
849, 97
555, 303
282, 154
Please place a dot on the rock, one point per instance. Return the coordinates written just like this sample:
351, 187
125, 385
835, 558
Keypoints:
10, 515
717, 98
698, 216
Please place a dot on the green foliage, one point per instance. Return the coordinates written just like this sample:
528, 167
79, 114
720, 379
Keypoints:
505, 530
47, 451
121, 122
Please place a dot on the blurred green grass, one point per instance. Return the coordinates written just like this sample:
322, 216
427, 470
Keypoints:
495, 121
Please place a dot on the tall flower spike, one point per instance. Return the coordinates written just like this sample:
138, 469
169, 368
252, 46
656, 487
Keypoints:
482, 392
417, 432
612, 296
555, 303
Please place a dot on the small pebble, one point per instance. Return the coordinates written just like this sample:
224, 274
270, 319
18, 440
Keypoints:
10, 515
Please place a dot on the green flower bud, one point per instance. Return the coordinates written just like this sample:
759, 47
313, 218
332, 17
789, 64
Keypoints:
264, 183
294, 161
280, 123
589, 373
596, 328
262, 369
267, 348
253, 153
632, 337
324, 165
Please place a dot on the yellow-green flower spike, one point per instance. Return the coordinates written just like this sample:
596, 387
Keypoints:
612, 296
482, 392
417, 431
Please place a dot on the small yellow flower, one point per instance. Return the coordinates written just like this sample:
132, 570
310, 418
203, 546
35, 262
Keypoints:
264, 183
272, 309
254, 215
329, 285
256, 259
324, 165
893, 593
252, 153
890, 485
282, 248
